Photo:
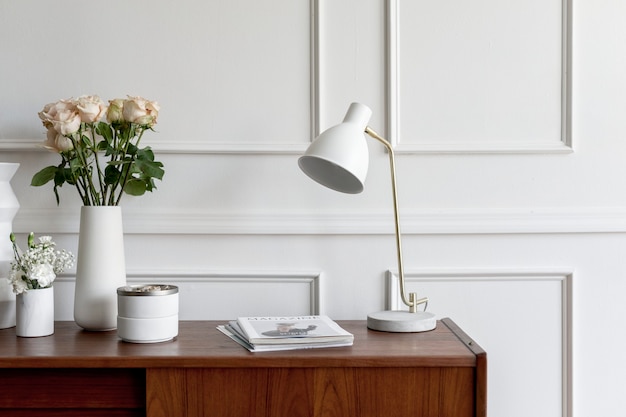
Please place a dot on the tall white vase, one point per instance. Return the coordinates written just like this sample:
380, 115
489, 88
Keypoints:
8, 208
35, 313
100, 267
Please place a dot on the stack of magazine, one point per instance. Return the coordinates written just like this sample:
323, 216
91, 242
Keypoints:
263, 334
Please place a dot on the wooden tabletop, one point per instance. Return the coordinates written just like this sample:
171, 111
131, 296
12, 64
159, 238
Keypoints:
200, 344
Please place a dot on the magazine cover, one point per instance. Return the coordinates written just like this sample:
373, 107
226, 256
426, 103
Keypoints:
291, 329
229, 331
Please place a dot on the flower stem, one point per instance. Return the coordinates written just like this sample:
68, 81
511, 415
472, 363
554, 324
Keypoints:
95, 155
78, 178
130, 165
92, 196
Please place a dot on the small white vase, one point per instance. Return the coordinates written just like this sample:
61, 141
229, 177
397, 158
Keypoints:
35, 313
8, 208
100, 267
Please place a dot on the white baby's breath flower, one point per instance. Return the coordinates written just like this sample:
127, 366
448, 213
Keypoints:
37, 267
64, 260
46, 240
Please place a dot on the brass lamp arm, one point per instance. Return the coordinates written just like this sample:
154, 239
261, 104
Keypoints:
412, 302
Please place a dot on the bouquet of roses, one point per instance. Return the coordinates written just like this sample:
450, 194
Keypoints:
37, 267
77, 130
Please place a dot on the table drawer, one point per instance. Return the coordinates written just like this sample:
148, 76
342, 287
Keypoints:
68, 392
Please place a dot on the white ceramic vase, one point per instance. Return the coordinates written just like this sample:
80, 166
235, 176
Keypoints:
100, 267
35, 313
7, 304
8, 208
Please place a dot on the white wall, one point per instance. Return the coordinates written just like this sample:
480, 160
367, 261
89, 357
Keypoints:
507, 117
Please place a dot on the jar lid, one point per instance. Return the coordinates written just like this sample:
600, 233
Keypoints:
150, 289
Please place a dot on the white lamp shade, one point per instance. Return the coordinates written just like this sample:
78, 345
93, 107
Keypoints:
339, 157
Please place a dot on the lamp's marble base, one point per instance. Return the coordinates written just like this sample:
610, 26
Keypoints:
401, 321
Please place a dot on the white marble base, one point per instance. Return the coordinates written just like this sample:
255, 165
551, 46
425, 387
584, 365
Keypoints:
401, 321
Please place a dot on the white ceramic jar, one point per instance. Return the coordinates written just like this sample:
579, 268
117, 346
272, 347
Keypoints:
147, 313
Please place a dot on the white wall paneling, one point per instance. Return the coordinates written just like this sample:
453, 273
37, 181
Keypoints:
211, 95
522, 317
187, 220
502, 68
350, 67
224, 295
508, 121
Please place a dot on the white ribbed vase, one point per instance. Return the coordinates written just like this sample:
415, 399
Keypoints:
8, 208
35, 313
100, 267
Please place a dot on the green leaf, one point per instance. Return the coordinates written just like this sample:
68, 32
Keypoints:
86, 140
131, 150
126, 131
145, 154
150, 185
111, 175
104, 130
56, 195
75, 164
150, 169
135, 187
44, 176
60, 176
103, 146
64, 175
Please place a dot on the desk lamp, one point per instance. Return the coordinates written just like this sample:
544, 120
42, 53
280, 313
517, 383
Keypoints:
338, 159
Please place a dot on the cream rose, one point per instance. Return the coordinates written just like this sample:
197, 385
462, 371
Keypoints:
99, 143
67, 123
114, 112
56, 142
140, 111
90, 108
44, 115
63, 116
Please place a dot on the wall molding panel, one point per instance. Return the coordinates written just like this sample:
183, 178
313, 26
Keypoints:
534, 280
507, 121
174, 145
479, 221
393, 108
184, 147
429, 146
211, 295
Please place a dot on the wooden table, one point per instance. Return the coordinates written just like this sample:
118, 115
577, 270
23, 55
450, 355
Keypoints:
203, 373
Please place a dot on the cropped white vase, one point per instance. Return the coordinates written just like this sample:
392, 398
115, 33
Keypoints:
35, 313
7, 304
100, 267
8, 208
